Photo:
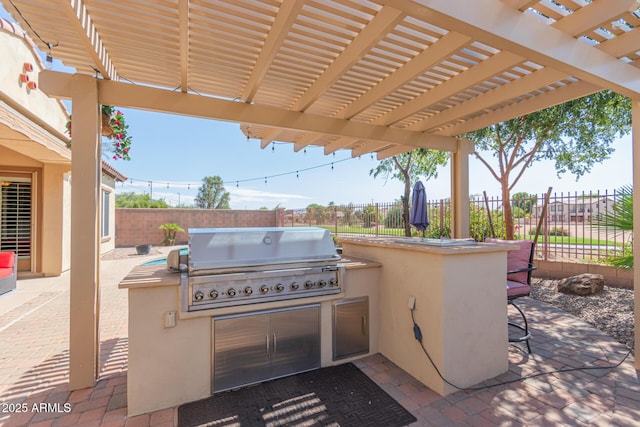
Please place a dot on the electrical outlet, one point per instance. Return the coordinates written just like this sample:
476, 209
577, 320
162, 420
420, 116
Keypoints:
170, 319
412, 302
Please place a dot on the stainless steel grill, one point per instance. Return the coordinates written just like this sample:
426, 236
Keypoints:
236, 266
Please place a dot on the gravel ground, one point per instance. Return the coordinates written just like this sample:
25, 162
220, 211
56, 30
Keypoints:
610, 311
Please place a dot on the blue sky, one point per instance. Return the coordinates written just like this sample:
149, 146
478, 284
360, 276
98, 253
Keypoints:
176, 152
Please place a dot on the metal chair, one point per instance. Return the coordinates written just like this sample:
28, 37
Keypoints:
519, 268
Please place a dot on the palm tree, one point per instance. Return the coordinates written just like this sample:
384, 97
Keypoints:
620, 219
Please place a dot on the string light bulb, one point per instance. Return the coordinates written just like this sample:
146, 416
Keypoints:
297, 174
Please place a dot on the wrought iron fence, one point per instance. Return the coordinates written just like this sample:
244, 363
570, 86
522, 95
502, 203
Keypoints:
569, 230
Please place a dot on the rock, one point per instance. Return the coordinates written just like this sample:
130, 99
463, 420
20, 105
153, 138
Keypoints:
582, 284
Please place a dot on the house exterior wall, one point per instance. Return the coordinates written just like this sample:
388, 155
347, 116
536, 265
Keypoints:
141, 226
54, 248
32, 141
15, 51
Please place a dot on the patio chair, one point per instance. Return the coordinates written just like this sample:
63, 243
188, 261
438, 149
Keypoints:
519, 268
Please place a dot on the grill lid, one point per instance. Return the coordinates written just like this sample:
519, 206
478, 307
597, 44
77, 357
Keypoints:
212, 248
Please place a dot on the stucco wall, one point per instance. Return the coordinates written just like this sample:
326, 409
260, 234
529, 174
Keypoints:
141, 226
108, 241
15, 51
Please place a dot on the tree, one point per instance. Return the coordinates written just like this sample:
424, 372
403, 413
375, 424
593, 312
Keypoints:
318, 213
524, 202
211, 194
408, 168
170, 229
577, 135
134, 200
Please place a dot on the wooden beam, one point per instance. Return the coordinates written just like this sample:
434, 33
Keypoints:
518, 87
269, 137
305, 141
83, 27
429, 57
60, 85
621, 45
500, 26
393, 151
484, 70
367, 147
536, 103
520, 4
183, 29
337, 144
383, 22
285, 18
593, 15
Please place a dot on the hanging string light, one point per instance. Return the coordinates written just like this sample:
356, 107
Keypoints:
150, 183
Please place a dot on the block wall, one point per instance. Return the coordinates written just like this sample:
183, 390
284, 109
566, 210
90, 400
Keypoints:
141, 226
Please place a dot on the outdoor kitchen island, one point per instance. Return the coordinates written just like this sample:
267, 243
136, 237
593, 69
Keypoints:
458, 288
177, 345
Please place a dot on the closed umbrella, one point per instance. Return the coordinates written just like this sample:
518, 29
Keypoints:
418, 216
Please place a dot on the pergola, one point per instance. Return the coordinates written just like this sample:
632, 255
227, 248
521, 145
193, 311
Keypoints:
369, 76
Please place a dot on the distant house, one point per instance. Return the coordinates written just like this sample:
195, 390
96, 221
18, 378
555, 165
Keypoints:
35, 165
576, 208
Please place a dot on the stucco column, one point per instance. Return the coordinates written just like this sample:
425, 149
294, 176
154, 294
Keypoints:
460, 217
85, 215
636, 223
53, 223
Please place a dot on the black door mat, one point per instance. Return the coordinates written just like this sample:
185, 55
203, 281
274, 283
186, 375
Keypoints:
335, 396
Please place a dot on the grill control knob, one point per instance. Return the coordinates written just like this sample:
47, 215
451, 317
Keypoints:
248, 290
213, 294
333, 282
198, 295
322, 283
263, 289
308, 284
294, 286
231, 292
279, 287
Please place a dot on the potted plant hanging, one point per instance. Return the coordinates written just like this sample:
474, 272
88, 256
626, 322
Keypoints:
114, 129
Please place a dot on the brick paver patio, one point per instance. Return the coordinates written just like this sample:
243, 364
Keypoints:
34, 363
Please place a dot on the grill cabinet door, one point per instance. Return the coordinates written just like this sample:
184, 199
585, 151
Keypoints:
241, 350
350, 328
295, 338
